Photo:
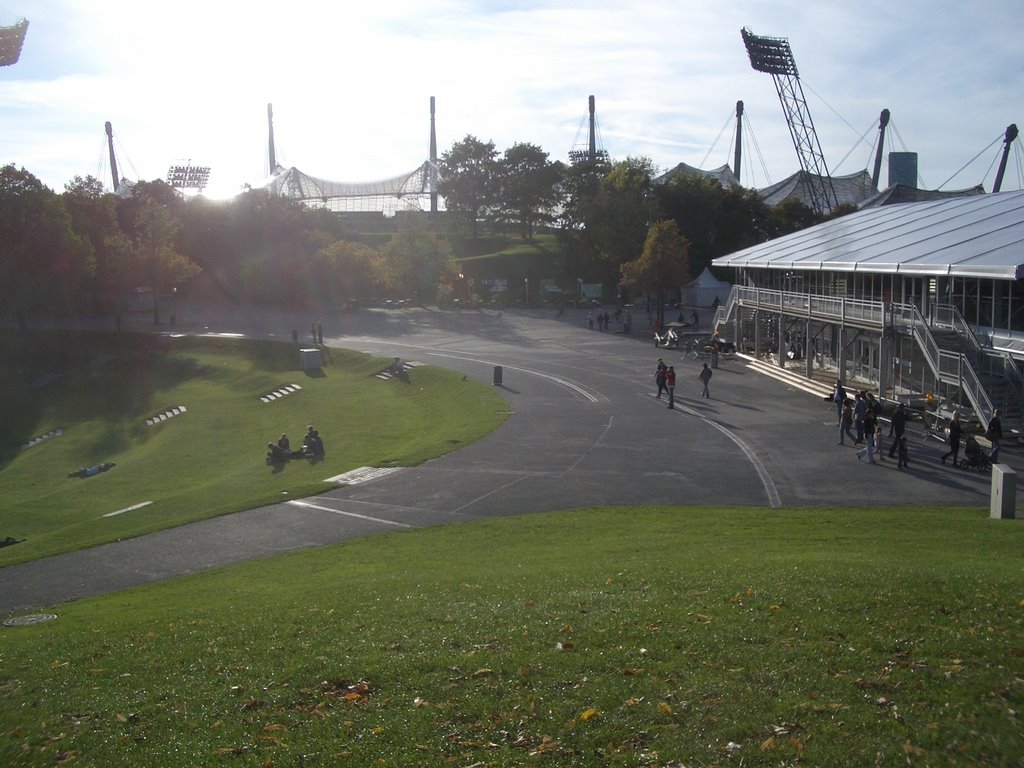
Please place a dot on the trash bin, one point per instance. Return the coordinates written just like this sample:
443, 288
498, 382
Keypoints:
497, 375
310, 359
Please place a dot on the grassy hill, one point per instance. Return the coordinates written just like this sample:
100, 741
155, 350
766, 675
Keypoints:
99, 390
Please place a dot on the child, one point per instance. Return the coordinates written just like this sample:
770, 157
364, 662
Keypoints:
903, 460
878, 444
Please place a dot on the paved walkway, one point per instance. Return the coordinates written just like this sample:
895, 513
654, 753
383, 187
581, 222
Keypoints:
585, 430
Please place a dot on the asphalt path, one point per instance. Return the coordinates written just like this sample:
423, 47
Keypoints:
584, 429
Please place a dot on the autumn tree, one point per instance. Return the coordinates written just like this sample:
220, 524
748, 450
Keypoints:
417, 262
663, 264
347, 269
608, 211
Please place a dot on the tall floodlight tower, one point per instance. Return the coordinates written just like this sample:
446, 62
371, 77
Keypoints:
433, 160
773, 55
11, 40
113, 159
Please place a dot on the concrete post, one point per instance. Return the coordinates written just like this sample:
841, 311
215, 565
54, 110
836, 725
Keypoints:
1004, 493
842, 353
808, 354
782, 340
757, 334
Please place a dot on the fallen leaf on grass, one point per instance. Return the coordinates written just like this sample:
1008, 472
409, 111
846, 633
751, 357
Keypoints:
665, 709
589, 713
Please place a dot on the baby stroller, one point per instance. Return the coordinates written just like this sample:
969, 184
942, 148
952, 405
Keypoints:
975, 456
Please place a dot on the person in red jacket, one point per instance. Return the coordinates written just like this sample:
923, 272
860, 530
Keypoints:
670, 385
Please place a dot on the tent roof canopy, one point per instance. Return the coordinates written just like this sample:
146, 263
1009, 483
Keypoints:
981, 236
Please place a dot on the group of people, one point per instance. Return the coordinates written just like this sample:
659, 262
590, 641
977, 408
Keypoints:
861, 412
665, 378
603, 320
994, 434
312, 448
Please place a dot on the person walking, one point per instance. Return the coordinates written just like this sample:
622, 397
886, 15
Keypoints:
903, 458
860, 407
670, 385
878, 442
994, 434
705, 377
897, 427
869, 442
954, 439
839, 397
659, 376
845, 423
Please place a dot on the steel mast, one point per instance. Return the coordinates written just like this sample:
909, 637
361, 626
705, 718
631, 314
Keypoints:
773, 55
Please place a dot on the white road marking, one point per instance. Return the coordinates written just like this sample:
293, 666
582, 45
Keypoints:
298, 503
132, 508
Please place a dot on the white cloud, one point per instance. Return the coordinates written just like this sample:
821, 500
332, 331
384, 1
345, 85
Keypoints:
351, 82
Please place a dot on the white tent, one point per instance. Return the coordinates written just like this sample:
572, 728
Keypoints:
703, 291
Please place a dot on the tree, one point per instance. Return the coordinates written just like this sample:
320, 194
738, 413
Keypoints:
715, 220
151, 220
607, 214
94, 217
347, 270
468, 179
529, 188
43, 263
418, 261
663, 264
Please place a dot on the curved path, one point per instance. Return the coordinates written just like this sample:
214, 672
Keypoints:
584, 430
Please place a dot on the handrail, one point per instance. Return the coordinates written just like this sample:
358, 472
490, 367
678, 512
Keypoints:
949, 367
948, 316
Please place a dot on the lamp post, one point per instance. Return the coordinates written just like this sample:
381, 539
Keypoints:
526, 291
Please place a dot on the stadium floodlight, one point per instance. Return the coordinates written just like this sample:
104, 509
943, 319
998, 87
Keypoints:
188, 176
769, 54
11, 40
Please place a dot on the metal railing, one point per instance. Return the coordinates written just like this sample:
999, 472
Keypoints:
948, 367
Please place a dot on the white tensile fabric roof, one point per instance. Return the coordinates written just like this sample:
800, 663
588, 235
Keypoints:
981, 236
850, 189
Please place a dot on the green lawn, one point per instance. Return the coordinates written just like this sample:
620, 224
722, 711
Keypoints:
209, 460
632, 637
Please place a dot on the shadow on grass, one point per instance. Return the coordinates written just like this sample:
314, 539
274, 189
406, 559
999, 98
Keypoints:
68, 377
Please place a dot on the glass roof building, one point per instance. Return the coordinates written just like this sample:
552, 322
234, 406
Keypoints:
910, 299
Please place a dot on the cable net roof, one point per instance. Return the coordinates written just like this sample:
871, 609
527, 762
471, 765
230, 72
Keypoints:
398, 192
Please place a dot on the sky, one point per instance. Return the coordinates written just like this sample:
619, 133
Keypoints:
350, 83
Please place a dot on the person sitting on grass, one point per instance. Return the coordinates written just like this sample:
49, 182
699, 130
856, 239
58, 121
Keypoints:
274, 454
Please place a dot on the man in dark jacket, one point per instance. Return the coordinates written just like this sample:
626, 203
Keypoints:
995, 434
897, 427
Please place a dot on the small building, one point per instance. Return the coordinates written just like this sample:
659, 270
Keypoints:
912, 298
